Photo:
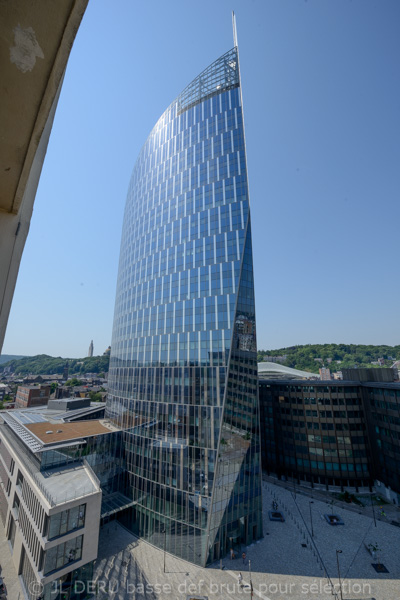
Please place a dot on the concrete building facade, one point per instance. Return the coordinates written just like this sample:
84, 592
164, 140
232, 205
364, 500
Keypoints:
51, 516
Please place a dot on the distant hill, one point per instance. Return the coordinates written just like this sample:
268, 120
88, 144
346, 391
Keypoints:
7, 357
344, 356
42, 364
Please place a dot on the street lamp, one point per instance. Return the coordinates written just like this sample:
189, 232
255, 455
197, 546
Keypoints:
312, 528
165, 543
251, 583
338, 569
373, 511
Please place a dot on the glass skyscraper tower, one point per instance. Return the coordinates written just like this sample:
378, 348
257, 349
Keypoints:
183, 371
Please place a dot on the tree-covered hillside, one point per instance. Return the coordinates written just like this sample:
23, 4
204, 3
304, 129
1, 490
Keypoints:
42, 364
4, 358
349, 355
344, 356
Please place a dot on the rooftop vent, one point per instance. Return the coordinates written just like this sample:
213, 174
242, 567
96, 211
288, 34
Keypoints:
49, 432
59, 431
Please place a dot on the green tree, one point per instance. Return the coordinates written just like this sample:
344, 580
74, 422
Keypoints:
350, 355
73, 382
42, 364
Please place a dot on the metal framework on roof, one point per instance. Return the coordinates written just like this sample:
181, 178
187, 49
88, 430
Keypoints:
30, 440
220, 76
18, 420
71, 414
28, 417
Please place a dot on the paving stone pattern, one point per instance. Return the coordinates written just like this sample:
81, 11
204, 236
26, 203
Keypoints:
281, 568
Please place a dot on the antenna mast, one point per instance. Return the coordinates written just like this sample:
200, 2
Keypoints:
234, 29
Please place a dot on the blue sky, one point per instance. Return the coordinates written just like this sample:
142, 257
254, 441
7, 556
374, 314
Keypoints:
321, 96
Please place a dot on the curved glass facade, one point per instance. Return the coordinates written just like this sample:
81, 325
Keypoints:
183, 370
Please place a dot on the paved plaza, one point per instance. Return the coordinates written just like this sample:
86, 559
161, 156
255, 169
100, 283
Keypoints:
288, 564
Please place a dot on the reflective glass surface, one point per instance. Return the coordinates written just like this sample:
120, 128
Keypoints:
63, 554
183, 370
66, 521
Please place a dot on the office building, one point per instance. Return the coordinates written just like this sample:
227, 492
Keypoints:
91, 347
382, 402
385, 375
51, 500
338, 434
183, 371
315, 432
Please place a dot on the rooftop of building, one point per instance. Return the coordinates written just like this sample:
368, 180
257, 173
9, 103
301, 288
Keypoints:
306, 383
68, 431
31, 425
46, 413
63, 484
33, 386
393, 385
330, 383
59, 484
275, 370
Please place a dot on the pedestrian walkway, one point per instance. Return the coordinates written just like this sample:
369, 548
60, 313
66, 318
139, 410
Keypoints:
296, 560
387, 513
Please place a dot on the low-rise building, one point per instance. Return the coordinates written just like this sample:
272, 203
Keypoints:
50, 496
31, 395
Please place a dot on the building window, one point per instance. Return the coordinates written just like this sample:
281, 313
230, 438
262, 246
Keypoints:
20, 479
11, 532
66, 521
63, 554
16, 505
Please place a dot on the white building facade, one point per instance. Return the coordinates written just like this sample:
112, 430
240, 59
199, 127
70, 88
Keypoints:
51, 517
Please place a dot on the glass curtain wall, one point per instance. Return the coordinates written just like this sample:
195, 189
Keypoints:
183, 370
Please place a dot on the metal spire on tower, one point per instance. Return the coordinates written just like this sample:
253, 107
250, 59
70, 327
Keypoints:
234, 29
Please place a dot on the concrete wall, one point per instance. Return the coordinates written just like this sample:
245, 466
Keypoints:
90, 531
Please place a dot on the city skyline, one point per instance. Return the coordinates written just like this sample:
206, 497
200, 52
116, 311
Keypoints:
323, 193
